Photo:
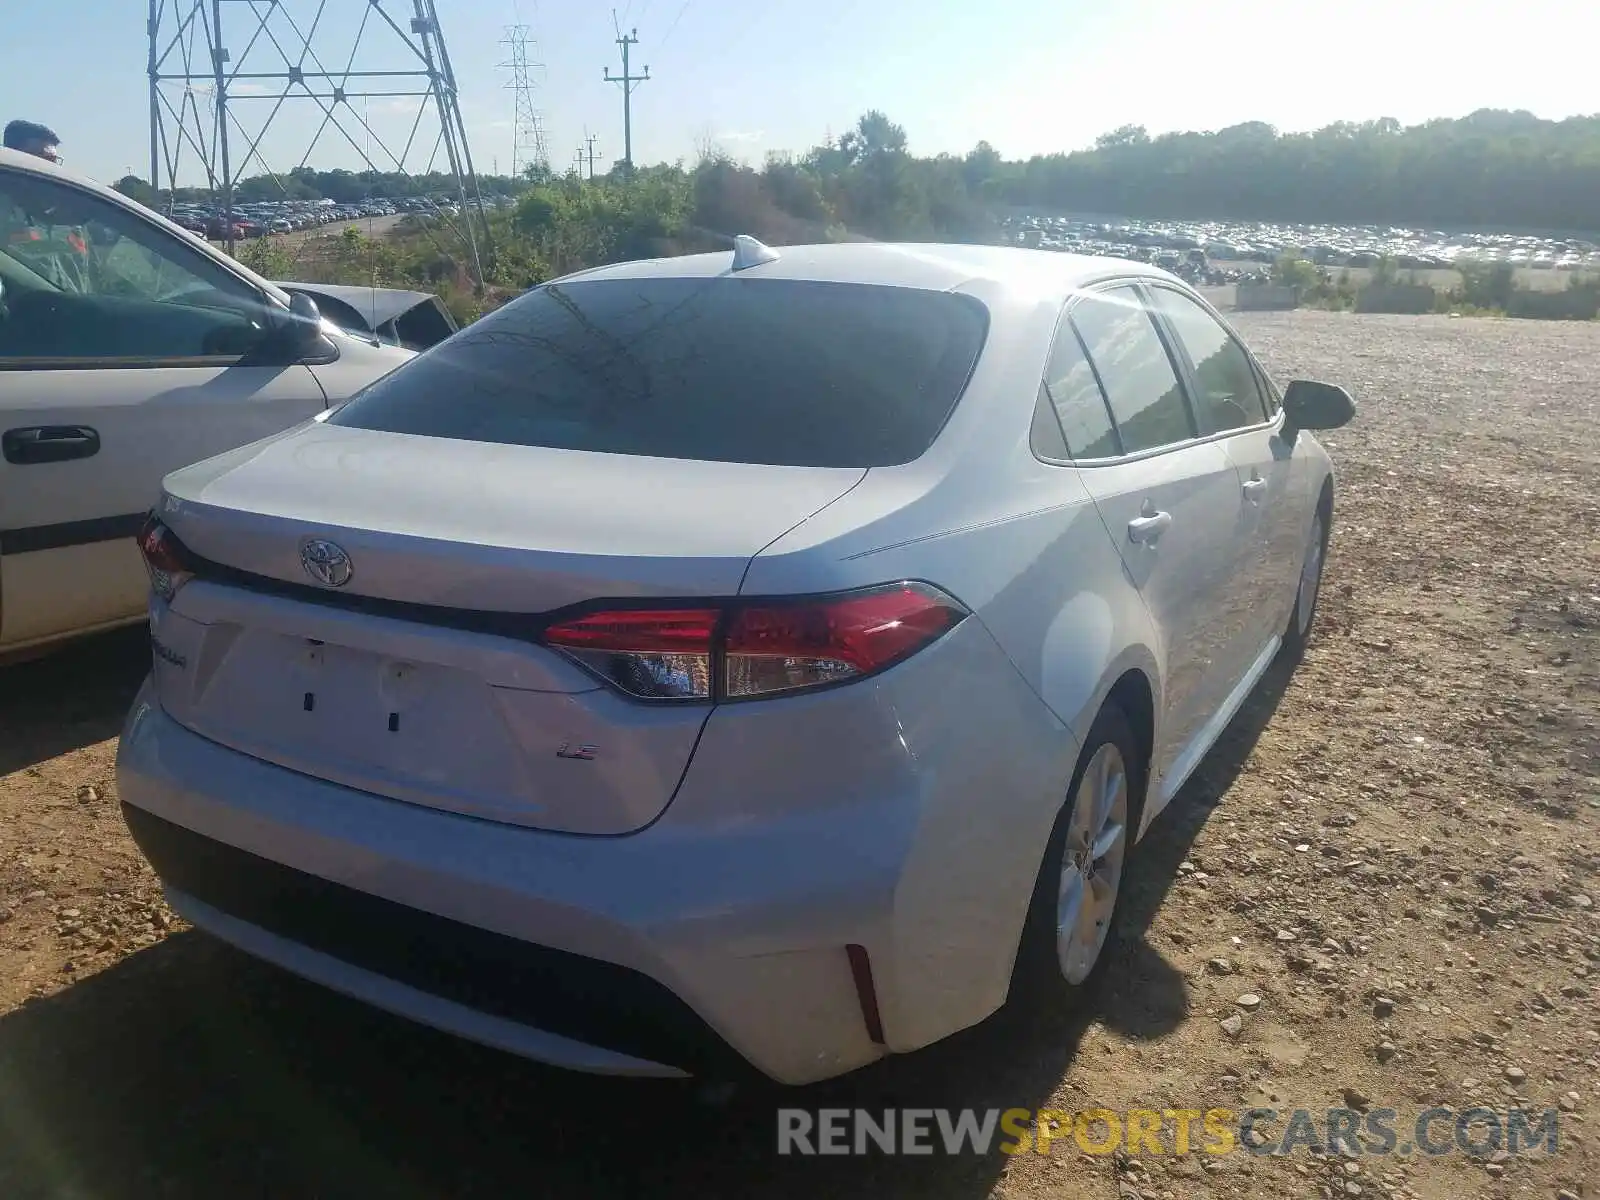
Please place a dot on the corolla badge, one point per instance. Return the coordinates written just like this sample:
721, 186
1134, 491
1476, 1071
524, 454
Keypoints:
326, 562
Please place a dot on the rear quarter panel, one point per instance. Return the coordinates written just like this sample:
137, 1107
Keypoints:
1046, 581
1018, 541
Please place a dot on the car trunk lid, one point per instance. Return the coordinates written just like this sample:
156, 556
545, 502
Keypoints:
421, 677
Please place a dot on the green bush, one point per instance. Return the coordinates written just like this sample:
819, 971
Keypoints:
1290, 271
268, 257
1316, 287
1486, 285
573, 223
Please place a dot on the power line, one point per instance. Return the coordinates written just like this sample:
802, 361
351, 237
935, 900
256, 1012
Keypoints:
682, 8
629, 82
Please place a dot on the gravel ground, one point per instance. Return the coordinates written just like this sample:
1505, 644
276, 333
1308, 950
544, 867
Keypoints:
1379, 891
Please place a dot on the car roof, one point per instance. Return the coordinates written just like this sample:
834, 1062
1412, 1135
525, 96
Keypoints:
21, 161
932, 266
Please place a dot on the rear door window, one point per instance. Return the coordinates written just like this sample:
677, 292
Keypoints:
1135, 370
779, 372
1227, 393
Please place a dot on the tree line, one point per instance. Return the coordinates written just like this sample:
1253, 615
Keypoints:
309, 184
1490, 169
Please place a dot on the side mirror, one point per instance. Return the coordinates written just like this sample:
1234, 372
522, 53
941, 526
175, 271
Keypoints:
304, 326
1311, 405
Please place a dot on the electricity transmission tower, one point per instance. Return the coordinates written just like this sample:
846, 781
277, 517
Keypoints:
348, 70
528, 148
629, 82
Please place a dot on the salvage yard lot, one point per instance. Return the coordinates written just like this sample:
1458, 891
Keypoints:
1395, 850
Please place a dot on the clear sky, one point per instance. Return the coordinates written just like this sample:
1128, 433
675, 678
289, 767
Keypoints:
1030, 76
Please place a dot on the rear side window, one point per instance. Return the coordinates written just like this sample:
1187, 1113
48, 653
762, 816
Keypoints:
1044, 435
422, 326
1079, 403
778, 372
1130, 358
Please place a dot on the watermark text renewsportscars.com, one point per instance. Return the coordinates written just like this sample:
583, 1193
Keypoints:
1374, 1131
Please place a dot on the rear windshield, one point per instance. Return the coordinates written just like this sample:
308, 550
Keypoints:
778, 372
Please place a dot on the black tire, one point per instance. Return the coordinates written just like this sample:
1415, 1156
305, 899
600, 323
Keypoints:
1037, 981
1302, 618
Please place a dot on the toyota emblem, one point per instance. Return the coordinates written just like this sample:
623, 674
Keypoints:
326, 562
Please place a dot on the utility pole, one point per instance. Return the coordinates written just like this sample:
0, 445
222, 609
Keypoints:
629, 82
587, 152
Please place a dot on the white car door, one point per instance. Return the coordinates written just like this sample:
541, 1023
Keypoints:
125, 353
1274, 509
1168, 500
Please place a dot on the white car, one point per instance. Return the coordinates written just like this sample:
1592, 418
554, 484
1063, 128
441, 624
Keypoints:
716, 663
128, 348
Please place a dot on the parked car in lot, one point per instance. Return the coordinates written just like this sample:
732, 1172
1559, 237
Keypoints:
721, 663
128, 348
396, 317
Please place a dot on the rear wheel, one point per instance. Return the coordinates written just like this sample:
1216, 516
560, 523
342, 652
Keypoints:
1298, 634
1070, 920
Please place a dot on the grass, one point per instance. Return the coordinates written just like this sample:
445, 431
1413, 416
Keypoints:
1475, 289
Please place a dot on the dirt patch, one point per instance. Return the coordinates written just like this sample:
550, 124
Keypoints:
1378, 892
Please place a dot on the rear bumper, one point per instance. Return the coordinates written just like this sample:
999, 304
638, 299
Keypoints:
427, 1008
710, 942
557, 1007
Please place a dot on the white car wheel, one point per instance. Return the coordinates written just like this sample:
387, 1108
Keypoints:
1091, 866
1298, 633
1071, 917
1310, 581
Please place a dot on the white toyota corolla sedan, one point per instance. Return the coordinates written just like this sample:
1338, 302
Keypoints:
756, 659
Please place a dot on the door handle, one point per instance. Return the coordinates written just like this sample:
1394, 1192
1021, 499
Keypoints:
1254, 490
1147, 530
48, 444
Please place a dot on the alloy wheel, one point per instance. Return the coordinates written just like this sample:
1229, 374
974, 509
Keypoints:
1310, 580
1091, 866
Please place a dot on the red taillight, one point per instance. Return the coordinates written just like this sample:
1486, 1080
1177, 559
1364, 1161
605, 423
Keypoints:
746, 649
164, 558
647, 631
799, 644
